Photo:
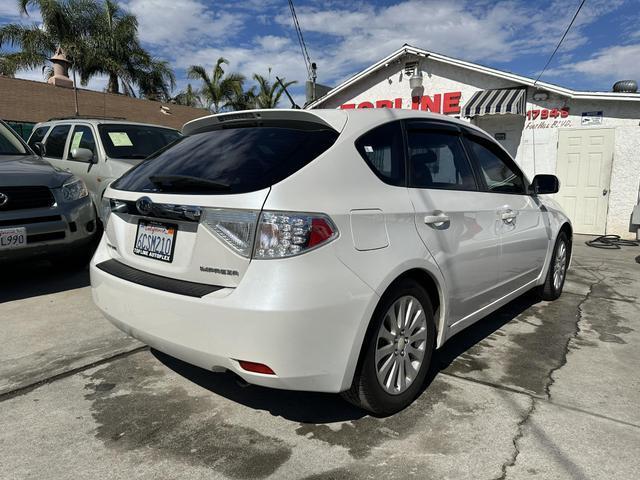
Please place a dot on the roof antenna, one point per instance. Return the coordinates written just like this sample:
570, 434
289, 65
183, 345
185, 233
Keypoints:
293, 103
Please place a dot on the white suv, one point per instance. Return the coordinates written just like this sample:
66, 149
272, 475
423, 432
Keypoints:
324, 250
98, 150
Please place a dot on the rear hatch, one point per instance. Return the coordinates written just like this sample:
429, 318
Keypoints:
191, 211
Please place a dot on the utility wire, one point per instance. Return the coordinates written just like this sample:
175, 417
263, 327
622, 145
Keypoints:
533, 130
560, 42
303, 46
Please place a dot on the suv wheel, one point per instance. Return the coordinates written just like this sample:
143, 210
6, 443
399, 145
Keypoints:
397, 353
552, 287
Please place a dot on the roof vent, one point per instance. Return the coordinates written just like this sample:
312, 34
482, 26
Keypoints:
410, 68
626, 86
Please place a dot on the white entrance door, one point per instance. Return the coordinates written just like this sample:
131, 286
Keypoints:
584, 170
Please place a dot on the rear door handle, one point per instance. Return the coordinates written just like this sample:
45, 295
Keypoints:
436, 220
507, 215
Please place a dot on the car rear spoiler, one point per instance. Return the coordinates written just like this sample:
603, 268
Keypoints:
334, 119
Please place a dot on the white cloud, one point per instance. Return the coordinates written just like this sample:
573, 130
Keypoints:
481, 31
9, 11
273, 42
613, 63
180, 23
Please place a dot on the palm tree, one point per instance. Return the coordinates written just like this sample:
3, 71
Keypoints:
188, 97
98, 38
65, 25
242, 99
218, 89
269, 93
117, 53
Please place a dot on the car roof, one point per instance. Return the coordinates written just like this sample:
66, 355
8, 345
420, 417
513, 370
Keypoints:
97, 121
338, 119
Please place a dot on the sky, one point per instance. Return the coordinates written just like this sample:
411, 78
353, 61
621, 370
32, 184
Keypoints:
344, 37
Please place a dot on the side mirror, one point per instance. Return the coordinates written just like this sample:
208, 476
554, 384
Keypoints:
82, 155
38, 147
544, 184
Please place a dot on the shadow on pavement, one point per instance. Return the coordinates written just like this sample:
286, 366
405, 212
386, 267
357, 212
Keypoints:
311, 407
31, 279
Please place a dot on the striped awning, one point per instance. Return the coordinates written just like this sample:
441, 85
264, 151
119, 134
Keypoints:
490, 102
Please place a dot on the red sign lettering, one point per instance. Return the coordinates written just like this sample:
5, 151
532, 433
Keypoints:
451, 102
384, 104
448, 103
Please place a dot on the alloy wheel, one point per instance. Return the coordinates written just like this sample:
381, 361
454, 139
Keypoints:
400, 345
560, 265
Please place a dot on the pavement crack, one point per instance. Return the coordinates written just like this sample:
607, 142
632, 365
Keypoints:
32, 386
574, 335
516, 439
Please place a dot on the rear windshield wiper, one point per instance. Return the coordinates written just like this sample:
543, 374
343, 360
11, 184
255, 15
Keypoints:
186, 183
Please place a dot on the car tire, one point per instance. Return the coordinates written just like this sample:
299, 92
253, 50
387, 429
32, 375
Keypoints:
551, 289
380, 391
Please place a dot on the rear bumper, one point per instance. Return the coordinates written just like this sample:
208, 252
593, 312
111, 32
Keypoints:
307, 328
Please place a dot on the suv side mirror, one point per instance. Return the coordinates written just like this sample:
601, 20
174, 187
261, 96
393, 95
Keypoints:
38, 147
82, 155
544, 184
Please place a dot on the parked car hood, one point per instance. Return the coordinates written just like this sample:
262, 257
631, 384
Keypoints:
28, 170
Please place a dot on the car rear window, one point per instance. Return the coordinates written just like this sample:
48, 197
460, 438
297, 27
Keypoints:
235, 160
134, 141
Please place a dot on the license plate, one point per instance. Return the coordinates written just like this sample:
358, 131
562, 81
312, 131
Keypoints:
12, 237
155, 240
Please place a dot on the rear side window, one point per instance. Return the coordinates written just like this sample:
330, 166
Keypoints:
235, 160
382, 149
438, 160
499, 172
54, 148
37, 135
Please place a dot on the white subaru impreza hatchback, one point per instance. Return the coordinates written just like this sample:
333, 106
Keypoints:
324, 250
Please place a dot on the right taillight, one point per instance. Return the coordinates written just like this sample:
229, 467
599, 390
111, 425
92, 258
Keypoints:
285, 234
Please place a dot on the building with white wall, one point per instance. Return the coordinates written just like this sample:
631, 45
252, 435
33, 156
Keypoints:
590, 140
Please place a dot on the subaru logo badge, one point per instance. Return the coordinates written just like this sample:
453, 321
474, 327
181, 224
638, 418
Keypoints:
3, 199
144, 205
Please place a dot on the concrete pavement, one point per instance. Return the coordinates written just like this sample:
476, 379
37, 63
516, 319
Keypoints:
536, 390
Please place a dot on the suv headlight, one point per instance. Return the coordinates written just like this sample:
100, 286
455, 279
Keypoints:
74, 190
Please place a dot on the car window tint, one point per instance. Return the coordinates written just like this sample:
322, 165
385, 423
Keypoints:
497, 172
37, 135
134, 141
10, 144
382, 149
56, 140
82, 137
438, 160
234, 160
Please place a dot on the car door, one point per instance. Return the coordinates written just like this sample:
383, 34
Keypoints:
455, 220
524, 236
83, 136
55, 146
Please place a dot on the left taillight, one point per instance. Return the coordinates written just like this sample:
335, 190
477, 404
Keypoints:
285, 234
235, 227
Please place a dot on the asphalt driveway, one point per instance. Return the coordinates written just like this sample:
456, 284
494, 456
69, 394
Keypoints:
535, 390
